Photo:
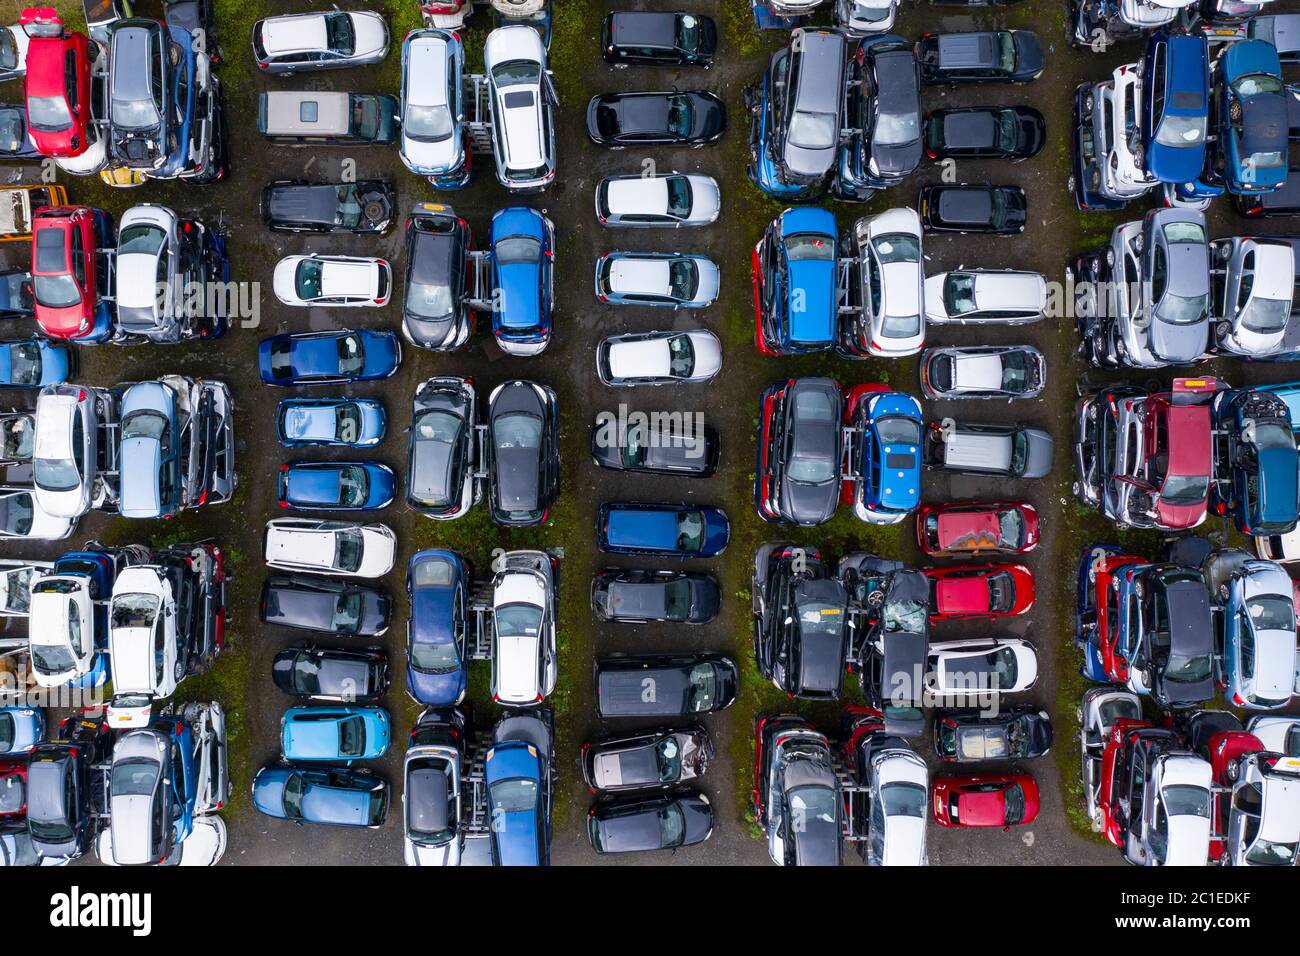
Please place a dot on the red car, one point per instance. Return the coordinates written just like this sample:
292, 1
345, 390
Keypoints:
1104, 610
1178, 451
1003, 800
70, 286
13, 790
981, 591
957, 529
58, 84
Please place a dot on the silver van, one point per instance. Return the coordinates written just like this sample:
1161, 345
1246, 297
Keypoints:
319, 118
971, 449
809, 116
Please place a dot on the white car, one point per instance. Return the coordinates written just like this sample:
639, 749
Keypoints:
670, 200
664, 279
524, 663
431, 804
319, 41
522, 99
330, 547
1282, 548
333, 281
864, 17
60, 629
143, 648
65, 451
432, 144
976, 666
1264, 814
893, 282
1128, 171
1279, 735
1257, 292
899, 807
658, 358
148, 260
1172, 827
21, 516
1002, 296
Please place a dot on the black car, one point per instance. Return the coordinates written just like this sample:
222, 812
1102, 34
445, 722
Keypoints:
1175, 656
362, 208
635, 597
141, 115
801, 632
60, 784
799, 448
651, 761
15, 143
664, 685
657, 444
681, 39
523, 453
435, 313
1008, 55
441, 448
308, 672
325, 604
896, 646
985, 132
692, 118
885, 107
996, 210
657, 823
967, 736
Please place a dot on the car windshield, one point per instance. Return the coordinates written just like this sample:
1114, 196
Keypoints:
1002, 593
668, 758
679, 196
516, 73
681, 116
339, 33
897, 129
703, 688
347, 208
1017, 372
134, 778
672, 826
347, 612
897, 247
681, 356
872, 11
143, 425
683, 279
134, 610
434, 658
354, 486
1272, 435
1185, 800
428, 124
1006, 51
1008, 128
1262, 853
18, 514
514, 796
56, 474
307, 278
677, 600
1254, 84
1271, 613
809, 247
813, 811
517, 250
352, 357
690, 531
1185, 669
56, 292
347, 423
1011, 528
24, 363
688, 32
517, 431
1185, 489
814, 130
352, 737
1001, 665
135, 114
818, 618
903, 800
1014, 801
48, 114
429, 300
347, 550
306, 674
898, 430
145, 239
52, 658
294, 789
518, 620
1183, 310
634, 449
1266, 316
1181, 131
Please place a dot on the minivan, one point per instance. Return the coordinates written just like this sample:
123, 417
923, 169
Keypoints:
810, 132
309, 118
972, 449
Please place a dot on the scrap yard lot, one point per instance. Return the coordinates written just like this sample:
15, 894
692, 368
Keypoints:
1055, 232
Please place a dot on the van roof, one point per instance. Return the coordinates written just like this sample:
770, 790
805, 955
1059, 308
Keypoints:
291, 112
977, 450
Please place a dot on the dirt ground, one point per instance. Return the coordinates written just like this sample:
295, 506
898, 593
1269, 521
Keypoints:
241, 678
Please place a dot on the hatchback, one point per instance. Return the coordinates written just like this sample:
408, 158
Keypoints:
442, 449
360, 208
292, 43
1009, 55
668, 200
328, 358
979, 132
344, 733
435, 314
523, 278
343, 798
331, 675
523, 453
329, 547
437, 586
327, 606
1017, 371
996, 210
658, 39
320, 280
655, 823
433, 140
341, 422
693, 118
336, 486
661, 529
658, 358
664, 685
667, 279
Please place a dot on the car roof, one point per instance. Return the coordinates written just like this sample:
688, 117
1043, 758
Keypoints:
637, 194
965, 50
821, 66
645, 28
293, 32
427, 63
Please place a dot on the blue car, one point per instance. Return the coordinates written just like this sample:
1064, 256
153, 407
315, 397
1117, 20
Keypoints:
344, 733
328, 358
34, 363
336, 485
1252, 118
886, 453
523, 265
149, 452
341, 798
341, 422
183, 98
21, 729
437, 584
684, 531
1255, 461
1257, 671
1176, 108
762, 103
795, 276
517, 771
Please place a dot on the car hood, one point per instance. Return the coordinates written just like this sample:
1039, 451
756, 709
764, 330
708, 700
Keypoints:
438, 690
1275, 660
809, 504
1179, 344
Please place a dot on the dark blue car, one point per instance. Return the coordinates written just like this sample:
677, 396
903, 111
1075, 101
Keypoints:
34, 363
762, 103
1176, 111
795, 274
517, 771
328, 358
523, 260
336, 485
437, 584
685, 531
1256, 461
1252, 118
341, 798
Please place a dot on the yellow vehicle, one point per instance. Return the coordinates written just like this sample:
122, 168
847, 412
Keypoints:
19, 203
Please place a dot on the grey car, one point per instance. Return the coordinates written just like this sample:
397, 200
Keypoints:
326, 605
1171, 321
141, 61
802, 465
810, 134
143, 808
326, 40
650, 761
442, 445
1018, 371
523, 452
150, 472
633, 596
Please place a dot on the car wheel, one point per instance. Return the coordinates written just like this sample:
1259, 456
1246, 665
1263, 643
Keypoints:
1230, 772
1139, 243
1110, 257
1088, 103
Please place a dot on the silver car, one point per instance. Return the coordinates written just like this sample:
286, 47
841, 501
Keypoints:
149, 279
319, 41
810, 135
1098, 711
666, 200
1169, 323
